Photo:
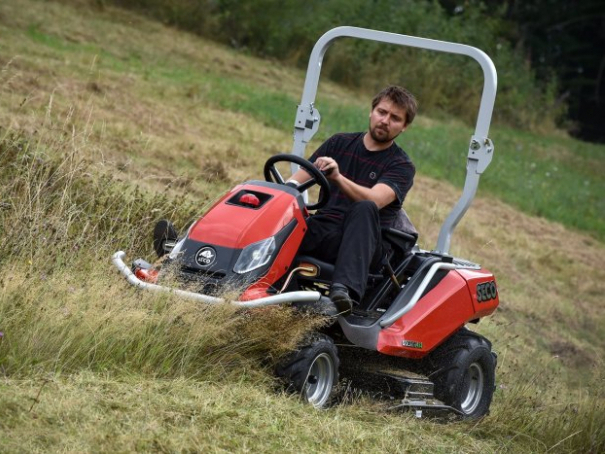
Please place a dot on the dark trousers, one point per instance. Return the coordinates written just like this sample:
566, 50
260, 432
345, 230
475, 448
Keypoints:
352, 243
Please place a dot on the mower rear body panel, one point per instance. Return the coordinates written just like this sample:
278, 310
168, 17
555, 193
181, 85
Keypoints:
441, 312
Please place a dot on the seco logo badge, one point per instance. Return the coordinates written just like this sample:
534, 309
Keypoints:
486, 291
205, 257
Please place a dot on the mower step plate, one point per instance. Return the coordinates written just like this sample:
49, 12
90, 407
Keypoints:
408, 387
418, 394
399, 388
422, 405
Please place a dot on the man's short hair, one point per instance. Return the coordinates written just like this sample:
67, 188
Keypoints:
401, 98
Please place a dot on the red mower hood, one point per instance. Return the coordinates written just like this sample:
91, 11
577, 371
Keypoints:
236, 225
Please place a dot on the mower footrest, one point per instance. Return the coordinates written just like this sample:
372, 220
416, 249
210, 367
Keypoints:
422, 404
419, 395
412, 387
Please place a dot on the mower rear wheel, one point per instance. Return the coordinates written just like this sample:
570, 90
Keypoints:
464, 369
312, 370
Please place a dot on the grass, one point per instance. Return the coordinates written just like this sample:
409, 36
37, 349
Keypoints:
101, 137
170, 415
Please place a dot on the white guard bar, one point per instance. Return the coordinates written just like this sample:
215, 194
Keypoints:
282, 298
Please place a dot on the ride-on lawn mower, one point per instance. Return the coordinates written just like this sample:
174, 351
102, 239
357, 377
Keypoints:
406, 339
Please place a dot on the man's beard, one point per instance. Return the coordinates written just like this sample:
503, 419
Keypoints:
381, 139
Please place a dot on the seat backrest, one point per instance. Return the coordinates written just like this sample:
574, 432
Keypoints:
402, 234
403, 223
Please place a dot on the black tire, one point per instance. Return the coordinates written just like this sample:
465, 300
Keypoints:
164, 230
312, 370
463, 370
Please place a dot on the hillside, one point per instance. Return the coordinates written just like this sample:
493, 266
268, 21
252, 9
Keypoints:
109, 121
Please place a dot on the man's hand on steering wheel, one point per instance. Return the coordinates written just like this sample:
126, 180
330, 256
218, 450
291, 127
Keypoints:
328, 166
317, 177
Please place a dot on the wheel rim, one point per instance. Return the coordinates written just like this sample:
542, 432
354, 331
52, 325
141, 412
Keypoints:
320, 379
476, 380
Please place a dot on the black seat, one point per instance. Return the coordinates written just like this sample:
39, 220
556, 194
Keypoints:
402, 240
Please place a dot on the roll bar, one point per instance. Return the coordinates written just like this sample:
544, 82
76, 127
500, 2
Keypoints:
481, 147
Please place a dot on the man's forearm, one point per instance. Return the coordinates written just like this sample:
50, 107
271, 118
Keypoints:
380, 194
300, 176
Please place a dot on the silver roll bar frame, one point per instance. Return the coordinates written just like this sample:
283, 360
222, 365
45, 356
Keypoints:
389, 319
481, 148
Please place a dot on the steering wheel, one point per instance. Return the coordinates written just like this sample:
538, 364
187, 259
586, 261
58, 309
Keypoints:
272, 175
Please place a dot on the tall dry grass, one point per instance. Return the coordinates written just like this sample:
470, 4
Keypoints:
62, 308
55, 204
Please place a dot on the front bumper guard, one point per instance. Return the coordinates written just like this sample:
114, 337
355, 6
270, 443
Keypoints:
281, 298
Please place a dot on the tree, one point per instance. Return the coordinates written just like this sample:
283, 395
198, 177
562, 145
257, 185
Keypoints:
562, 38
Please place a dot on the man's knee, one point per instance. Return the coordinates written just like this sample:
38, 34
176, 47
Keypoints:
364, 206
364, 209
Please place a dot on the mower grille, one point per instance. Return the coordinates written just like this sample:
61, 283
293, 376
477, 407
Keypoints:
205, 282
191, 274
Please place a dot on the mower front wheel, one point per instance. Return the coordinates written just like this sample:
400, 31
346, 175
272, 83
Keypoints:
312, 370
163, 232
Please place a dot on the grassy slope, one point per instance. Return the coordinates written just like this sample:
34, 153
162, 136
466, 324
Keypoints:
166, 111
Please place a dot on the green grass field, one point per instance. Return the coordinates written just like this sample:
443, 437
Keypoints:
110, 121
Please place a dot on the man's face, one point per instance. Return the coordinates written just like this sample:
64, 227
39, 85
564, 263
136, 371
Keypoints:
387, 121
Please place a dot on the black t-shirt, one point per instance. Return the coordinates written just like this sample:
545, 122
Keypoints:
392, 167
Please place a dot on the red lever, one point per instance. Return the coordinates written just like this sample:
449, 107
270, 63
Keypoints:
250, 200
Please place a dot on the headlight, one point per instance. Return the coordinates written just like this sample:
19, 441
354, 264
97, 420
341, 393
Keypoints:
175, 253
254, 256
177, 249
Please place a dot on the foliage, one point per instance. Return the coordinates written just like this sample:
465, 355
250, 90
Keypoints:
565, 39
287, 30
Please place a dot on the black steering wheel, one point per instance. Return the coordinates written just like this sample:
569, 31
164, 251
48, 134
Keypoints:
272, 175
